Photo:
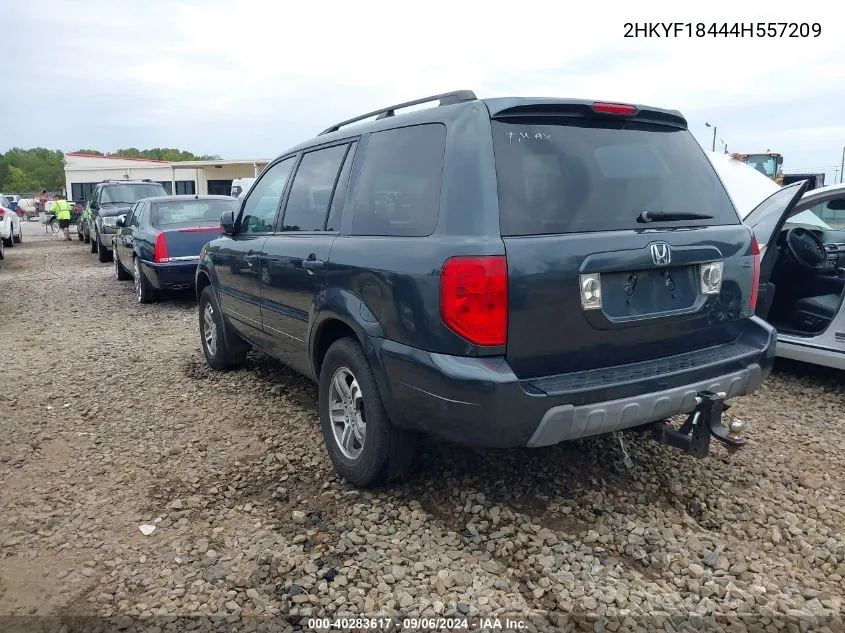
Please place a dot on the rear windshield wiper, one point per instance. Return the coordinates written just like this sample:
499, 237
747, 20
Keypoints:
664, 216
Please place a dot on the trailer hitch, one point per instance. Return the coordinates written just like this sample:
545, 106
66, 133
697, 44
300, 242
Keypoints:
705, 420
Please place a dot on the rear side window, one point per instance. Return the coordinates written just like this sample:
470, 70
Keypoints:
312, 188
596, 175
399, 187
166, 215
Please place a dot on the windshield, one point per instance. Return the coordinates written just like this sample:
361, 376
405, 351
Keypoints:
827, 215
131, 193
597, 175
185, 213
763, 163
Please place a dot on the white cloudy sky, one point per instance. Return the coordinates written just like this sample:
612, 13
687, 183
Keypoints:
246, 79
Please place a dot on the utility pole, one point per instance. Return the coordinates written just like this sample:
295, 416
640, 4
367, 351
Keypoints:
842, 166
714, 134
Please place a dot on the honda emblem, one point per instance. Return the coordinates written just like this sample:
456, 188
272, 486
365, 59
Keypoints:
660, 254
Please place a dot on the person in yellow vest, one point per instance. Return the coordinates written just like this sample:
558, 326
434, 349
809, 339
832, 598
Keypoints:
62, 210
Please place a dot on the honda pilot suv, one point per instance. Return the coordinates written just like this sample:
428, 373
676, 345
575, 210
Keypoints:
496, 272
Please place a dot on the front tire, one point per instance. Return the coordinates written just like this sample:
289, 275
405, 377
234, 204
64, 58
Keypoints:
19, 238
119, 272
103, 254
144, 292
95, 242
363, 445
223, 349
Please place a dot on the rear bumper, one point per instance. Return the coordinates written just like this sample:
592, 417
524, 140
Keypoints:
174, 275
480, 402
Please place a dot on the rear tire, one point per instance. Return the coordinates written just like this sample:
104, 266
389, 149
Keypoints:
11, 241
387, 452
144, 292
223, 348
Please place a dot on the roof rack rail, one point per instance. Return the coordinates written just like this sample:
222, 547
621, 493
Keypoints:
146, 179
447, 98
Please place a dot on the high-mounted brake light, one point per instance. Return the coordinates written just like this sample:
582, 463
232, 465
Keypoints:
474, 298
614, 108
160, 255
755, 284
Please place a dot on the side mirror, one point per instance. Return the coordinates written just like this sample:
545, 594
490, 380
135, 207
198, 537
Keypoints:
121, 221
95, 206
227, 222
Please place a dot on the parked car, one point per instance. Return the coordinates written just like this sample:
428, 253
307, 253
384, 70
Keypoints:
13, 200
11, 229
240, 187
110, 199
159, 241
500, 272
803, 266
26, 209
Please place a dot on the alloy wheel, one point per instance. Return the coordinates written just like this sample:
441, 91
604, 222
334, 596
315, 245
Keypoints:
346, 411
209, 329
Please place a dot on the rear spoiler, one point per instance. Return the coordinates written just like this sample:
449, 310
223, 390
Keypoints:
590, 109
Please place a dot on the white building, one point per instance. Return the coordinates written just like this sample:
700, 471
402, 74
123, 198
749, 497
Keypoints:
84, 171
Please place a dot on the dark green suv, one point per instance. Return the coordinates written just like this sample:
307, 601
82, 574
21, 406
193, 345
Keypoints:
110, 199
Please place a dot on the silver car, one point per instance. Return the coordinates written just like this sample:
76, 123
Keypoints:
802, 270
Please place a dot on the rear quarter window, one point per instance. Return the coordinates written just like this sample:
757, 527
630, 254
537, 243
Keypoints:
590, 175
399, 186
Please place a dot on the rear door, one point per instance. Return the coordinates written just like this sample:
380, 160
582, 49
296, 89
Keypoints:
295, 259
592, 281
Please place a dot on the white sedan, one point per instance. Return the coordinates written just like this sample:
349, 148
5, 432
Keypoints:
11, 231
802, 270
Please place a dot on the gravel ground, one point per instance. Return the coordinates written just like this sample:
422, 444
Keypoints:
111, 420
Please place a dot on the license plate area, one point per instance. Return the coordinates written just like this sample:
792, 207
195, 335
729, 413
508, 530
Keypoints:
649, 293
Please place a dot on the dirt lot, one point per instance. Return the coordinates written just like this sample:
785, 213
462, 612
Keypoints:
111, 419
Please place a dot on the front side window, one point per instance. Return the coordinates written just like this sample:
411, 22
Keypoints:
399, 187
312, 188
262, 204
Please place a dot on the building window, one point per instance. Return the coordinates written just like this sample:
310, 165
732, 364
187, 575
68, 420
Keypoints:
168, 186
185, 188
82, 190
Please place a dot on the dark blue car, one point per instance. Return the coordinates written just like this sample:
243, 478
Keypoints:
496, 272
159, 241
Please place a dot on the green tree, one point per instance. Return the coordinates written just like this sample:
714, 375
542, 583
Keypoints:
18, 181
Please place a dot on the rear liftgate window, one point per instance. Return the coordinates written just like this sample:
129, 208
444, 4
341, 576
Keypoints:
596, 175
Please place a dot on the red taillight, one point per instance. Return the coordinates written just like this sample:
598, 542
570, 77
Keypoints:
201, 229
160, 252
755, 284
474, 298
614, 108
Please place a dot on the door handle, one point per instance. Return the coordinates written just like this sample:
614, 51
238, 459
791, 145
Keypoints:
313, 265
250, 258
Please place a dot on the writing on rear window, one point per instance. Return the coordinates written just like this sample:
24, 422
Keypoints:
584, 175
519, 137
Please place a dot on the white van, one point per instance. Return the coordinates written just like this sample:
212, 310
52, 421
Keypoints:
240, 186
